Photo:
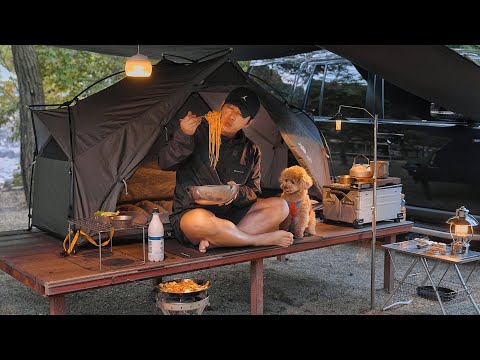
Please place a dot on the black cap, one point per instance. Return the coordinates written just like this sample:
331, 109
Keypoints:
246, 100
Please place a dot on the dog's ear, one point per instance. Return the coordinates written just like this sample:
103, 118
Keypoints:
281, 179
307, 180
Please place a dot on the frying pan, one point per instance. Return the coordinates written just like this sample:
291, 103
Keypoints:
187, 294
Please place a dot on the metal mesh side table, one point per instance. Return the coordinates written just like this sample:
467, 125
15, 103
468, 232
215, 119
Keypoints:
432, 292
94, 225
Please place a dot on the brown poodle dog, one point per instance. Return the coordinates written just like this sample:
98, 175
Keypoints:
295, 182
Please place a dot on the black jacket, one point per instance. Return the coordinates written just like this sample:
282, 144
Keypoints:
188, 156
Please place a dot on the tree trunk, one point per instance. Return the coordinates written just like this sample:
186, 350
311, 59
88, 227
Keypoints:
30, 87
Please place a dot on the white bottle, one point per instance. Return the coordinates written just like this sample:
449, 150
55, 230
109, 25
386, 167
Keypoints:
156, 244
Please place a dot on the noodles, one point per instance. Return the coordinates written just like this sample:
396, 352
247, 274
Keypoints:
183, 286
214, 133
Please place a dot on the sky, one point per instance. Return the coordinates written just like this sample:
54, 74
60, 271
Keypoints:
3, 73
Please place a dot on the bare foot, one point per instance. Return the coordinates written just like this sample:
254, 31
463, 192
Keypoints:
281, 238
203, 245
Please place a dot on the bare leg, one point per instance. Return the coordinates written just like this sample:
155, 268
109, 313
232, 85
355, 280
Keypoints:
205, 229
264, 216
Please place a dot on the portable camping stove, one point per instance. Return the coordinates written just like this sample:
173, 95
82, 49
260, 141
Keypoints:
183, 304
352, 203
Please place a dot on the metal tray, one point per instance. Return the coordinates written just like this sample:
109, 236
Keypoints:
427, 292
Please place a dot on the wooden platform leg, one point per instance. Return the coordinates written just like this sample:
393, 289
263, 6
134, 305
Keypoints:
388, 275
57, 305
256, 287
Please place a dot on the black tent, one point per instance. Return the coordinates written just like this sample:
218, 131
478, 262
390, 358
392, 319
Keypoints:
88, 152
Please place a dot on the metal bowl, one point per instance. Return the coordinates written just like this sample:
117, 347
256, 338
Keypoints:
102, 219
137, 218
121, 221
212, 194
346, 179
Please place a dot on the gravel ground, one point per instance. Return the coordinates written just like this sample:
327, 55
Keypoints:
333, 280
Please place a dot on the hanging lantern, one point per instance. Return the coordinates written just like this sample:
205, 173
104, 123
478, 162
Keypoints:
338, 117
138, 65
461, 230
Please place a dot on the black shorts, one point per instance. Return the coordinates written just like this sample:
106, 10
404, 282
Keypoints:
228, 212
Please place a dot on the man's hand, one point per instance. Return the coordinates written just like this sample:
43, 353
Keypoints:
189, 123
236, 193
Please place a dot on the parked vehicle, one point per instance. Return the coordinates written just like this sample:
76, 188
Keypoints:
434, 151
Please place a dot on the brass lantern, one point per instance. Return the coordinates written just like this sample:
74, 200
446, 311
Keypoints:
461, 230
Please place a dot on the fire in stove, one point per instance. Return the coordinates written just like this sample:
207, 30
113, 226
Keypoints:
183, 304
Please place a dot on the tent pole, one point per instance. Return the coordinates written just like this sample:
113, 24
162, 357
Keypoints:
95, 83
30, 192
70, 207
374, 211
374, 200
35, 152
374, 194
31, 174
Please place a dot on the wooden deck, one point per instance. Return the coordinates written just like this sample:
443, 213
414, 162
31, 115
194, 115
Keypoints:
34, 258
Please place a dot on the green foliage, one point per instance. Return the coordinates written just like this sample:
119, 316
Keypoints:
6, 58
17, 178
8, 88
465, 47
67, 72
244, 65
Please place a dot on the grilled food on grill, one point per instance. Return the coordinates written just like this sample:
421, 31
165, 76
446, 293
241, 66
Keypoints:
106, 213
183, 286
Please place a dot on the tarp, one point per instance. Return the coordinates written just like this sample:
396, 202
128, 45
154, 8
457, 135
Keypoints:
114, 130
194, 52
432, 72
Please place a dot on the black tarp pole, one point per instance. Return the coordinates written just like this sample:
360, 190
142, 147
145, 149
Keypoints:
95, 83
